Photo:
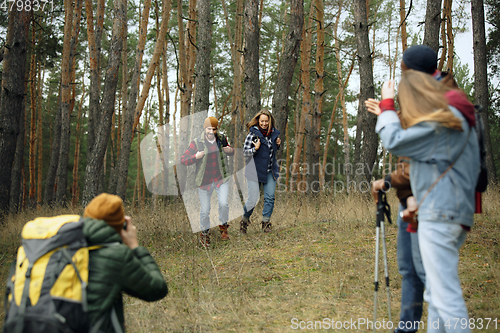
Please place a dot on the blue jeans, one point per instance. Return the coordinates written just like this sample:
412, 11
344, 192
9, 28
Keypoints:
412, 285
205, 196
439, 244
253, 197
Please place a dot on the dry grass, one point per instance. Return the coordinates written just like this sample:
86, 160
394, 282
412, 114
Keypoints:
318, 263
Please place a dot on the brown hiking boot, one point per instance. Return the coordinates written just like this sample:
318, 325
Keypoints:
223, 232
205, 239
266, 226
243, 226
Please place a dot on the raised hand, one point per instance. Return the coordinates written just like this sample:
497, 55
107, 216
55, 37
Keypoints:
372, 106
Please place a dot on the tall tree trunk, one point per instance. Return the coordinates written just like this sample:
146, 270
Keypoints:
370, 138
202, 66
450, 37
251, 55
123, 171
96, 158
18, 168
185, 93
50, 179
76, 159
287, 65
69, 47
129, 111
318, 99
191, 50
404, 35
305, 71
39, 129
33, 99
481, 80
443, 36
12, 96
304, 125
113, 179
155, 59
237, 112
432, 23
94, 41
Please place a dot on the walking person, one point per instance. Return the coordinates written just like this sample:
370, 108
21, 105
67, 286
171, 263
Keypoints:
209, 153
261, 145
444, 166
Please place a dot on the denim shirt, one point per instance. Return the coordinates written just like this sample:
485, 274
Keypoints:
431, 149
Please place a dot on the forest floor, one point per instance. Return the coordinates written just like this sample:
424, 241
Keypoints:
315, 268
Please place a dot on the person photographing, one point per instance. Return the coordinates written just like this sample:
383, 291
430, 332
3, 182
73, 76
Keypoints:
444, 165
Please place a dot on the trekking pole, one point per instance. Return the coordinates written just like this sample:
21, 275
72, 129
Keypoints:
383, 208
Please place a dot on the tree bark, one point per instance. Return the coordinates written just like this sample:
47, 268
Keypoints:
124, 158
17, 177
237, 107
450, 37
287, 65
39, 129
432, 23
481, 80
185, 91
50, 179
96, 158
318, 100
304, 125
202, 66
33, 99
71, 32
12, 97
129, 111
76, 160
251, 55
370, 138
94, 40
305, 70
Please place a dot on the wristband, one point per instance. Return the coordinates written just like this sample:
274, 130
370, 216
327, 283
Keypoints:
386, 105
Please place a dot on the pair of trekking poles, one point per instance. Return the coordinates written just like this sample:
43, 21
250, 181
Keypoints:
383, 209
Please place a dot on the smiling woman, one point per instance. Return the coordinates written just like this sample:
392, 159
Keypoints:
261, 145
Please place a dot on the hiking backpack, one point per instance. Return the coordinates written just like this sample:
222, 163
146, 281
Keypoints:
46, 288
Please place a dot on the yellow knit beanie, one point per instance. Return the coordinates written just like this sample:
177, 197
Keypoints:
107, 207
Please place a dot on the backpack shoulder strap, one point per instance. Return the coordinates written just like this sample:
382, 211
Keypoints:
10, 287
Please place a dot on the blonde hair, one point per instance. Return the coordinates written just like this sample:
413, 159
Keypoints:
255, 120
421, 98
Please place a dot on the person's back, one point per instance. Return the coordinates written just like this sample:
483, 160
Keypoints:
117, 267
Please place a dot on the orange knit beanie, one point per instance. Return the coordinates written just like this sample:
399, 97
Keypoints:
211, 122
107, 207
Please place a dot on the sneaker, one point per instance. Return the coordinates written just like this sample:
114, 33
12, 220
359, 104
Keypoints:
223, 232
266, 226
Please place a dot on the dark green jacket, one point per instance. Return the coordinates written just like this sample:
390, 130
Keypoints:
115, 269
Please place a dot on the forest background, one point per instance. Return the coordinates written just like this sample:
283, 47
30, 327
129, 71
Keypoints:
84, 81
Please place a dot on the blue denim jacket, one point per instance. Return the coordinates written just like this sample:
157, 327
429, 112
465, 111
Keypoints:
431, 149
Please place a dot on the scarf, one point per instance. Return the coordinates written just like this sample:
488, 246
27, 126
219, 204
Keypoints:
265, 132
